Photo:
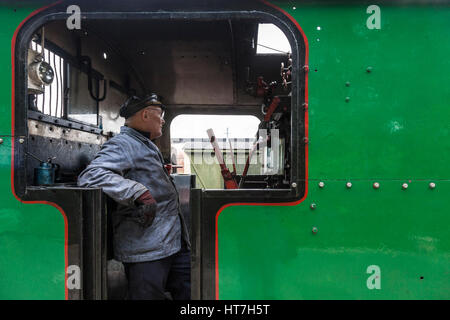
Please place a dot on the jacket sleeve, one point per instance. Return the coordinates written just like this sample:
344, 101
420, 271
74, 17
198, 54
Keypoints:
107, 172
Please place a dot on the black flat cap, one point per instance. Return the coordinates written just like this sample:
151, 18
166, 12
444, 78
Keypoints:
134, 104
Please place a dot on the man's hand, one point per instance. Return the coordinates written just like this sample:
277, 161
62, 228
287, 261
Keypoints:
146, 210
146, 198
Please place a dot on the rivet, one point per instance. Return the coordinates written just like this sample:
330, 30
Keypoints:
21, 140
305, 106
321, 184
369, 69
432, 185
349, 185
314, 230
1, 140
347, 84
376, 185
305, 139
306, 68
313, 206
404, 186
294, 185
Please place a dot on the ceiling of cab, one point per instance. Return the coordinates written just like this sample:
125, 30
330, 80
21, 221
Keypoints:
187, 62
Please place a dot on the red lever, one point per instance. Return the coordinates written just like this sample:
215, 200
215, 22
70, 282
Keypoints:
272, 107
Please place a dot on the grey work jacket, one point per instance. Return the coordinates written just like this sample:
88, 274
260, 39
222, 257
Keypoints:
126, 166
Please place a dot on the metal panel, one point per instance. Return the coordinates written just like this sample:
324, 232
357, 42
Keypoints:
86, 221
184, 184
94, 253
196, 248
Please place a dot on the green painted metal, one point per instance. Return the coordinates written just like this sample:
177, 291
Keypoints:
393, 129
32, 236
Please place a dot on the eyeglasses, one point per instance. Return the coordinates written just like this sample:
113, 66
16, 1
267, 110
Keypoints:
161, 115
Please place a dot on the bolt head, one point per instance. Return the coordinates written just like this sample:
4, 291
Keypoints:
347, 99
369, 69
347, 84
376, 185
294, 185
349, 185
313, 206
21, 140
321, 184
1, 140
315, 230
404, 186
432, 185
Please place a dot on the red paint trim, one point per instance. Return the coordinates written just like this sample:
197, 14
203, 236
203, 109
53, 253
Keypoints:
13, 104
306, 156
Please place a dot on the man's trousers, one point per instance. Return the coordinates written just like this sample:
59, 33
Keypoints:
152, 280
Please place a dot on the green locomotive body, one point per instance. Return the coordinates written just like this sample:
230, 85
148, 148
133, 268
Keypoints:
364, 212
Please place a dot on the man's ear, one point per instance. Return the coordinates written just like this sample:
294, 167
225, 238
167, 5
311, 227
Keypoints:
145, 115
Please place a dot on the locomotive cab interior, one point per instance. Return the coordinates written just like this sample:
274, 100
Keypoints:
198, 67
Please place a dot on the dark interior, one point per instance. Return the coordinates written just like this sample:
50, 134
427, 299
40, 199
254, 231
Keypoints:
205, 67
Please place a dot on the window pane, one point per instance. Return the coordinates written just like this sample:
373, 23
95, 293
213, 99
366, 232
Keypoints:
51, 102
271, 39
191, 146
81, 105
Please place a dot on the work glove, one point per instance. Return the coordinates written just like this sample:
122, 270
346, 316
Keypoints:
146, 209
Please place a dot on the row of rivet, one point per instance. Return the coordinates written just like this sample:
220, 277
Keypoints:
21, 140
376, 185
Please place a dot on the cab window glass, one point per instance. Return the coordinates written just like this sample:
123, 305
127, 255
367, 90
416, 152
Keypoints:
194, 153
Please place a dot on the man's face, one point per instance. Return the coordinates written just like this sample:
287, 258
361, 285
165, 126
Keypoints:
153, 121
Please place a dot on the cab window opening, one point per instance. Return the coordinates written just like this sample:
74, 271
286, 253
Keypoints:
67, 95
192, 151
206, 74
271, 40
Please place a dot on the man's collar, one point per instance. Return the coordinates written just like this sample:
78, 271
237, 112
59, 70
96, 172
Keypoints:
138, 133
